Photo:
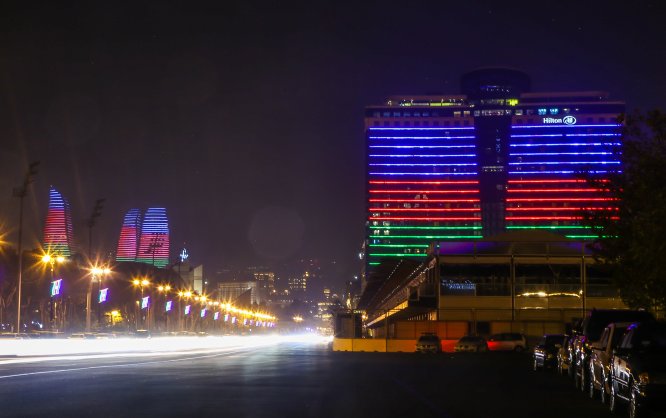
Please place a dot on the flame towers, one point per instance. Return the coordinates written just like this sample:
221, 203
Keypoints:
144, 237
58, 236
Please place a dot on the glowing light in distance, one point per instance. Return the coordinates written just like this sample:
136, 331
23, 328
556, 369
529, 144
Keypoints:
145, 302
169, 306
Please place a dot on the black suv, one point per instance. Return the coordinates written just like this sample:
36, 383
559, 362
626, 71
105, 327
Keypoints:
638, 369
589, 333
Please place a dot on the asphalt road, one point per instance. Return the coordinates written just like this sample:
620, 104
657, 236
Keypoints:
292, 380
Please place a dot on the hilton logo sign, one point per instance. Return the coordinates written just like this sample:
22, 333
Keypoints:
567, 120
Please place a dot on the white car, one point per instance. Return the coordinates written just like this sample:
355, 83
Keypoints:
471, 343
429, 343
508, 341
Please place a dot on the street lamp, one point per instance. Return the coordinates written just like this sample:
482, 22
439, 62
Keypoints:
52, 260
164, 289
21, 192
141, 283
95, 272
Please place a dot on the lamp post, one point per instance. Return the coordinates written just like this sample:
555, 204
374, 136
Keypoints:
21, 192
181, 315
52, 259
164, 289
141, 283
95, 273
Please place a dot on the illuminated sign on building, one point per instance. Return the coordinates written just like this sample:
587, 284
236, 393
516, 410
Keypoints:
187, 309
567, 120
183, 255
216, 316
169, 305
55, 287
145, 302
103, 293
203, 312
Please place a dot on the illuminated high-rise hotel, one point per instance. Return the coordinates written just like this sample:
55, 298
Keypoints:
495, 158
58, 236
144, 237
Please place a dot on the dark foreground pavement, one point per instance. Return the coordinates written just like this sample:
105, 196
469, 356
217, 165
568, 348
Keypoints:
293, 380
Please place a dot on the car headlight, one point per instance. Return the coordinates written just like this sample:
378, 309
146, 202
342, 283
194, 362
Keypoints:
643, 379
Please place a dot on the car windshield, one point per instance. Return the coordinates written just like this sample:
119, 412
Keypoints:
428, 338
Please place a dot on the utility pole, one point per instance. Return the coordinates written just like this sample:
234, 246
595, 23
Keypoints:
21, 192
96, 212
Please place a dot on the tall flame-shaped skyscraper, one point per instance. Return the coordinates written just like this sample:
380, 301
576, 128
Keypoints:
130, 233
58, 237
144, 237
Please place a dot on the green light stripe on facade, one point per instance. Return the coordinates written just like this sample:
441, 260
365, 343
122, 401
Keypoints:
398, 245
549, 227
439, 228
395, 255
374, 263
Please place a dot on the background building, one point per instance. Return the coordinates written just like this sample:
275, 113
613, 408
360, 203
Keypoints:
145, 237
265, 282
58, 232
239, 293
496, 158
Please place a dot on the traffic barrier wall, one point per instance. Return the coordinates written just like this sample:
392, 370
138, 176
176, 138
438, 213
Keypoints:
379, 345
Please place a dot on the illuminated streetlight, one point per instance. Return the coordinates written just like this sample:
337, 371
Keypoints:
95, 272
52, 260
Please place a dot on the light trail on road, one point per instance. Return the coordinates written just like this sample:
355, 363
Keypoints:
33, 351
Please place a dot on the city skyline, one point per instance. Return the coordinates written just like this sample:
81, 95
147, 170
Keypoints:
254, 142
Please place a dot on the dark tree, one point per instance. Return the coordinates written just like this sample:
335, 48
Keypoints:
634, 245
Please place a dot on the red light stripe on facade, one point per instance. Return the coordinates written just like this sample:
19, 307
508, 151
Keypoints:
558, 209
557, 199
553, 181
423, 182
423, 191
551, 190
424, 200
424, 210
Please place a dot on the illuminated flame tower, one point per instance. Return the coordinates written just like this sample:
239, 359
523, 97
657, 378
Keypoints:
58, 236
145, 237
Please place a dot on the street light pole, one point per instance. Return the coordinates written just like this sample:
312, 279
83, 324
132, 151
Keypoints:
21, 192
95, 272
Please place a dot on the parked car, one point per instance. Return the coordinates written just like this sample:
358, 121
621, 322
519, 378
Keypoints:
545, 352
638, 369
589, 334
600, 359
471, 343
508, 341
429, 343
563, 356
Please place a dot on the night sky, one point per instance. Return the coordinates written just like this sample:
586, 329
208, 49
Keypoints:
245, 119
